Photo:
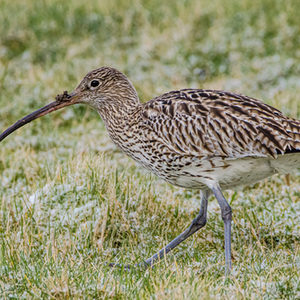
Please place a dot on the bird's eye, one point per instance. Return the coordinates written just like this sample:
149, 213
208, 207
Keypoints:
95, 83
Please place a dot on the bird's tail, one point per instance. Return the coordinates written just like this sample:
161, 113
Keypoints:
292, 127
290, 159
286, 163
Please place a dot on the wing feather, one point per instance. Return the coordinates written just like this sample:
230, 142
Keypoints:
218, 123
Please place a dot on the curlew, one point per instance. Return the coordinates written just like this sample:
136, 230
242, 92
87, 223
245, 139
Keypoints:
201, 139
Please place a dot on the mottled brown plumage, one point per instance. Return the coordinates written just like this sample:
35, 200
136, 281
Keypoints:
218, 123
204, 139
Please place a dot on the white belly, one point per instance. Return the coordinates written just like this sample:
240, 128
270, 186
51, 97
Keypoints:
231, 173
200, 173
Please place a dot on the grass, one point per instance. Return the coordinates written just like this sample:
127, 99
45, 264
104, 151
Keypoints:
71, 202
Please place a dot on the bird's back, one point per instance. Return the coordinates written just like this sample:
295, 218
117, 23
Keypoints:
216, 135
218, 123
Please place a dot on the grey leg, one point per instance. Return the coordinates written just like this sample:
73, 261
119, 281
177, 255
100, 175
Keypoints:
196, 224
227, 217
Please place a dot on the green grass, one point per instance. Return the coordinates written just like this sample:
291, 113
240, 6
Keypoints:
71, 202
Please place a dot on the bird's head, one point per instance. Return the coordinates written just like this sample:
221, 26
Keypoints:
105, 89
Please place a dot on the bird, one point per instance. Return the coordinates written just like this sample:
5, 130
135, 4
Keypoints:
209, 140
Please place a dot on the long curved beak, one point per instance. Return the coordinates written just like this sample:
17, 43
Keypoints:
62, 100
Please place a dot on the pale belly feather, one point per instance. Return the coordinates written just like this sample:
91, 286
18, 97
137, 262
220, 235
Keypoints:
228, 173
232, 173
203, 173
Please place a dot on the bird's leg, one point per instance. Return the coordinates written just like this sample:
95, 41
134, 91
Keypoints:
227, 217
196, 224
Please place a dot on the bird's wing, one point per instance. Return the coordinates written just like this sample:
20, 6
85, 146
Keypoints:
218, 123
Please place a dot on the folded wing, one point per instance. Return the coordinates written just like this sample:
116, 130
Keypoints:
217, 123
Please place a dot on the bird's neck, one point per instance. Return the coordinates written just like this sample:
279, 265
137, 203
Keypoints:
119, 114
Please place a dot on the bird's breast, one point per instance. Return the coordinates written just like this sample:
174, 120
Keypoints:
199, 172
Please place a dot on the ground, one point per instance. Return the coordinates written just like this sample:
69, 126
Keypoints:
71, 202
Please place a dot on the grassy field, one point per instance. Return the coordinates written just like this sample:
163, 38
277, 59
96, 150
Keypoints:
71, 202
